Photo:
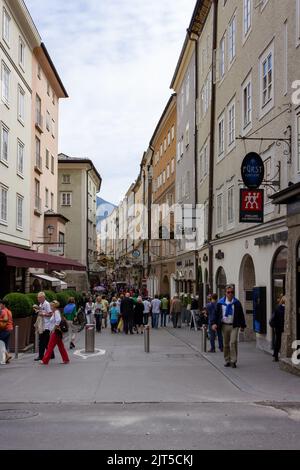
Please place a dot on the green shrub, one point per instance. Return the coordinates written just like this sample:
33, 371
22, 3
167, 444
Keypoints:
62, 298
50, 295
19, 305
32, 298
72, 293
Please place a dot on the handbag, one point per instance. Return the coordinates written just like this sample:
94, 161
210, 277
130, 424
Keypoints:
64, 328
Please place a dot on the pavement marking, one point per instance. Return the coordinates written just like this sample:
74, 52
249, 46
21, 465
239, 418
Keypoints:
81, 353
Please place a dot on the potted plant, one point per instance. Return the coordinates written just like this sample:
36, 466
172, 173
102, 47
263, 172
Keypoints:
21, 309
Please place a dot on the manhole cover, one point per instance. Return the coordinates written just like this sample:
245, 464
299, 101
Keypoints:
8, 415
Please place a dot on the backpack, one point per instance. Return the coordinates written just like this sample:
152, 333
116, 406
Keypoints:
64, 328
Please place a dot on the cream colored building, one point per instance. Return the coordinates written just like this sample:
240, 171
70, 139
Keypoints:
47, 90
78, 185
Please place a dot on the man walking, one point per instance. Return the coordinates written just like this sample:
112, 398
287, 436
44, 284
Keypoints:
45, 313
147, 309
175, 311
230, 318
155, 307
127, 312
211, 310
164, 311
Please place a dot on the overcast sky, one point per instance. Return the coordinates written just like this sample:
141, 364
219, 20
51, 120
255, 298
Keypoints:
116, 59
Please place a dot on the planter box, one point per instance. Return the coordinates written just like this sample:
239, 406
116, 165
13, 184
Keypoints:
24, 328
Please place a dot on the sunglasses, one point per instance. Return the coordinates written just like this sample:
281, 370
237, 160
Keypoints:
230, 292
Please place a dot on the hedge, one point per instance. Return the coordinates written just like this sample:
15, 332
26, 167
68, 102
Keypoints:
20, 305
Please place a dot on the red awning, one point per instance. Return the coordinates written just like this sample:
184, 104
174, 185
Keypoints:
20, 258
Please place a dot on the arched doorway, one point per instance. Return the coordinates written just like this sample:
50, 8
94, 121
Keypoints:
247, 282
165, 286
221, 282
279, 269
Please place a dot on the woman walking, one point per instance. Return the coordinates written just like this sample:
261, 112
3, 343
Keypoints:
56, 338
90, 311
70, 314
98, 314
277, 322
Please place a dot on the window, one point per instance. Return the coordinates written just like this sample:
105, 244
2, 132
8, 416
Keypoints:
165, 145
206, 95
230, 205
5, 77
173, 165
53, 129
66, 179
20, 158
267, 80
247, 104
3, 204
61, 239
48, 121
47, 198
164, 177
47, 158
53, 97
205, 160
4, 144
173, 133
168, 171
181, 147
66, 199
232, 40
169, 138
20, 201
222, 57
221, 146
219, 211
182, 101
38, 160
187, 90
22, 53
21, 105
6, 26
187, 135
52, 164
37, 199
178, 151
48, 89
52, 201
38, 111
231, 124
161, 150
247, 16
39, 72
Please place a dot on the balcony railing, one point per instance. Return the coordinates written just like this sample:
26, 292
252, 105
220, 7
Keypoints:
39, 121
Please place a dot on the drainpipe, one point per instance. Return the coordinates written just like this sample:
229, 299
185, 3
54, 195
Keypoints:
195, 40
212, 145
87, 222
150, 187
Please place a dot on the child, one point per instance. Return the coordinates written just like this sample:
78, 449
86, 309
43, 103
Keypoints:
114, 317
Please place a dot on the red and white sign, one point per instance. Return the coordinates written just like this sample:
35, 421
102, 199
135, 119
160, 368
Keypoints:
252, 206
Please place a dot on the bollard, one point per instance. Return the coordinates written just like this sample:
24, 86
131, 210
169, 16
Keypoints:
16, 342
147, 338
36, 342
90, 334
204, 339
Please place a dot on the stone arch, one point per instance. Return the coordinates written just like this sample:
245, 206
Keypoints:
247, 282
165, 286
221, 281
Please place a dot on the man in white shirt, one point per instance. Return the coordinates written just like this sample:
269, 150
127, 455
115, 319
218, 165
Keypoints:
155, 306
46, 313
147, 309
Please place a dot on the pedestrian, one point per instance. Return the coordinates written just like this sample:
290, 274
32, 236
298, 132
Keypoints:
105, 308
127, 312
70, 314
229, 317
56, 338
211, 310
98, 314
90, 311
6, 327
164, 311
175, 311
45, 313
277, 323
194, 311
139, 316
147, 311
155, 308
114, 317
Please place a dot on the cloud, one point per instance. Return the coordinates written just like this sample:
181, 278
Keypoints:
116, 59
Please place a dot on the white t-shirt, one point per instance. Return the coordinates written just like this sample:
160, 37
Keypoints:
227, 320
45, 308
147, 306
156, 303
55, 320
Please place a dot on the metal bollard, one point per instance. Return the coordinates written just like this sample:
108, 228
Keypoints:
16, 342
36, 342
147, 338
204, 339
90, 334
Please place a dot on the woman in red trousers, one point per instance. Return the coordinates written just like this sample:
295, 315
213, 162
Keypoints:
56, 338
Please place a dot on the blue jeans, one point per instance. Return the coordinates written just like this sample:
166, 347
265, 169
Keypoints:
155, 320
4, 336
212, 335
164, 314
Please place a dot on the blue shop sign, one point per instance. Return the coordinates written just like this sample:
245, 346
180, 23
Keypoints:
253, 170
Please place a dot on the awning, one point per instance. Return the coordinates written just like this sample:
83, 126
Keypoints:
53, 280
63, 285
20, 258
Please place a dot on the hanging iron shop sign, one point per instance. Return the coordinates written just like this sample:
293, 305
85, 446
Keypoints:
253, 170
252, 206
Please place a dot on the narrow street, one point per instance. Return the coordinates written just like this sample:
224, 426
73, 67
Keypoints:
173, 398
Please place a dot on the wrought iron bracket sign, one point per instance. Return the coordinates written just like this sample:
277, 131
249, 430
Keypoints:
252, 206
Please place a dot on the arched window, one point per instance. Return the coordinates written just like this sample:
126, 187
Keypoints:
221, 282
279, 269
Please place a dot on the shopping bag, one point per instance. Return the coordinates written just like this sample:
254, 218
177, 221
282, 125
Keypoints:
121, 326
